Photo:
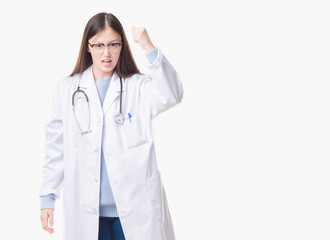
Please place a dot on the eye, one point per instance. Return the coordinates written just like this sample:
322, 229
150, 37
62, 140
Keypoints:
115, 45
98, 45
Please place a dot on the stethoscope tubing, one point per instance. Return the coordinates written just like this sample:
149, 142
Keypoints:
121, 94
118, 117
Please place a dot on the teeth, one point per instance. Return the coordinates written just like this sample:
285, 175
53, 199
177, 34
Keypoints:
107, 61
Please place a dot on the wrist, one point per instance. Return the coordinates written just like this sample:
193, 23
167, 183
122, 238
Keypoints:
149, 47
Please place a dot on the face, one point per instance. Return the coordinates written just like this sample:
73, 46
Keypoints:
105, 58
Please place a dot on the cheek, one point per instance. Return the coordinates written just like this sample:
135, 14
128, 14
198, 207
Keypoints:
95, 58
116, 58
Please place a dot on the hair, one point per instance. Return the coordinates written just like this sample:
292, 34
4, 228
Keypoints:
126, 65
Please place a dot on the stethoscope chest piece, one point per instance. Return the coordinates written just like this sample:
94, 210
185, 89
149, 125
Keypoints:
119, 118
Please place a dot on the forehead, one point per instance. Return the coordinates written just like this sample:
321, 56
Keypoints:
106, 35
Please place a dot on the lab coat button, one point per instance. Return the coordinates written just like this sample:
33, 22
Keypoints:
96, 179
96, 150
116, 182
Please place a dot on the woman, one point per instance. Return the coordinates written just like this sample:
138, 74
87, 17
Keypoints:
99, 144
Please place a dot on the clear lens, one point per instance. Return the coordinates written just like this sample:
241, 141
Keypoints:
113, 47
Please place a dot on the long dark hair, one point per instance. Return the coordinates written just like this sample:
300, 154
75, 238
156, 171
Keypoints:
126, 65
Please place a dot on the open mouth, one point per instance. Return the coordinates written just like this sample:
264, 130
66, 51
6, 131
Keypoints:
107, 61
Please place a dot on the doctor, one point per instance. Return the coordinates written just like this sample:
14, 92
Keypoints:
99, 144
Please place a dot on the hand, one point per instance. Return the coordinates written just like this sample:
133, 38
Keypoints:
47, 215
141, 37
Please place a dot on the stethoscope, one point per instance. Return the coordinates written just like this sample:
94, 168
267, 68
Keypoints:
117, 117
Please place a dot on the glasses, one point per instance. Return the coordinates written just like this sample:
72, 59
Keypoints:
99, 47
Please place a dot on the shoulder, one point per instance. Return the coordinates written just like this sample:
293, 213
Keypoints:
139, 79
67, 83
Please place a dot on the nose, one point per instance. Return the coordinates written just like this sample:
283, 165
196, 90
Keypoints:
106, 51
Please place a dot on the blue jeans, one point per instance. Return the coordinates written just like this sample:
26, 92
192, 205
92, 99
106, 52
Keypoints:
110, 229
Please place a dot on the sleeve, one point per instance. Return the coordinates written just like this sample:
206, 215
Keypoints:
152, 55
47, 201
162, 89
53, 166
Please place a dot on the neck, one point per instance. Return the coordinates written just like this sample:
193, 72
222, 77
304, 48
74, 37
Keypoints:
101, 75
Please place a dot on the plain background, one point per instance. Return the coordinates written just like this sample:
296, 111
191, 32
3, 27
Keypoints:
246, 153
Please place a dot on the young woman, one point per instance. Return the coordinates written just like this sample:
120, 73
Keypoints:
99, 144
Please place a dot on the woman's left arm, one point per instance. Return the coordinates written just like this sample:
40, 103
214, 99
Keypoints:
164, 88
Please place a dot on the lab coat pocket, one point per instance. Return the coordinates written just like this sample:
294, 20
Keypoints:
156, 195
133, 132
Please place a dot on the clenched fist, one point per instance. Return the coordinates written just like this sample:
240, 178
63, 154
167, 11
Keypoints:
141, 37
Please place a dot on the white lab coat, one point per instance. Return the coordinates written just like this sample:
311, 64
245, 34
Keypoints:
73, 160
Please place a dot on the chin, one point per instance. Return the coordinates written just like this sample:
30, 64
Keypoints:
107, 70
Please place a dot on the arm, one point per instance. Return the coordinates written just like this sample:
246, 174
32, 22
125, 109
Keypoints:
163, 89
53, 168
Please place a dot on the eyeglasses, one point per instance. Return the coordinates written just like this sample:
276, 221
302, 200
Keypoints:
99, 47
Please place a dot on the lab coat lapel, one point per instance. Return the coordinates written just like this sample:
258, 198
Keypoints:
87, 84
113, 93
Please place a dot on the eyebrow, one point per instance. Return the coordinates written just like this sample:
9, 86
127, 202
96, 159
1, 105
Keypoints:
108, 42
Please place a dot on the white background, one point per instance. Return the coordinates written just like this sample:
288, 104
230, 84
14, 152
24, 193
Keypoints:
246, 153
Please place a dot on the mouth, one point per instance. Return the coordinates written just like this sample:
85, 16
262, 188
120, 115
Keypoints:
106, 61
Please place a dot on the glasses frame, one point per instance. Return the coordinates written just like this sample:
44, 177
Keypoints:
109, 46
